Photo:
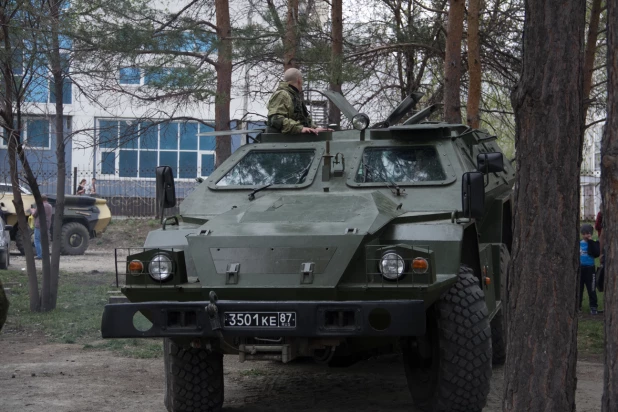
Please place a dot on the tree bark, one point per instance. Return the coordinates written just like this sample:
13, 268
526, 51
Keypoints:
45, 304
609, 188
474, 64
291, 37
223, 148
334, 114
591, 49
58, 76
14, 145
22, 222
452, 61
542, 279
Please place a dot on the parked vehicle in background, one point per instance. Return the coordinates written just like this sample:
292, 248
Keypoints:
335, 246
85, 218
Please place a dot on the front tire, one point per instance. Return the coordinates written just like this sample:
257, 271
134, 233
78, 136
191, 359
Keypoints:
74, 239
449, 369
193, 378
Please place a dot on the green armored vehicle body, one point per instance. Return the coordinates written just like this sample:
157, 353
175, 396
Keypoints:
336, 247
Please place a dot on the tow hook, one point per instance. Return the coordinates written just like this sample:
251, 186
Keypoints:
213, 312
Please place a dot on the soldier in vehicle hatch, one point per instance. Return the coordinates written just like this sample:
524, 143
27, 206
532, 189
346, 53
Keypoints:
287, 112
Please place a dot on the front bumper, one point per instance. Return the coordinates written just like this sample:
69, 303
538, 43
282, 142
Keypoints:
313, 319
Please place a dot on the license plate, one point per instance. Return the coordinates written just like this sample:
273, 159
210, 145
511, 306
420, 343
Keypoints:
259, 319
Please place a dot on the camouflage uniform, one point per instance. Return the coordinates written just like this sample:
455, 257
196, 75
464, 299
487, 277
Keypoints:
287, 112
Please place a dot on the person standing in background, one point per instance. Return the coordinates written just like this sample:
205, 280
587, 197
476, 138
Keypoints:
600, 276
91, 189
588, 250
81, 189
37, 226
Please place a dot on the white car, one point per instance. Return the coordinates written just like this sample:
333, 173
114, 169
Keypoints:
8, 188
5, 239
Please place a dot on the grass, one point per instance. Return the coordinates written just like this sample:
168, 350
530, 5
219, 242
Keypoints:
252, 373
77, 317
591, 333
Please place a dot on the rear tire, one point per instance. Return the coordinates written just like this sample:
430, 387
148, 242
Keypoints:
74, 239
193, 378
449, 368
19, 240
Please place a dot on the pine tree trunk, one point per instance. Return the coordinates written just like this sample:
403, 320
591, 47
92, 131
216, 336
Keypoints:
452, 61
223, 148
591, 50
334, 114
290, 41
543, 273
609, 187
474, 64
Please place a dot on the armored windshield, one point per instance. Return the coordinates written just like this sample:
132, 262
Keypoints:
400, 164
265, 167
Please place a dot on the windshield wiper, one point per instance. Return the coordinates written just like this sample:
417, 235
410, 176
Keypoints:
259, 189
303, 173
395, 189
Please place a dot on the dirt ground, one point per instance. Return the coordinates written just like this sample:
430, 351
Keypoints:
47, 377
95, 259
37, 377
100, 254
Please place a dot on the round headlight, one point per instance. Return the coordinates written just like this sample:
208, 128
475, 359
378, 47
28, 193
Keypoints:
392, 266
160, 267
360, 121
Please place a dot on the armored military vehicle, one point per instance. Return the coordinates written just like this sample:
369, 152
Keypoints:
390, 237
84, 218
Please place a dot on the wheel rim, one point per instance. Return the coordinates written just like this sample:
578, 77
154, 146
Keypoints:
75, 240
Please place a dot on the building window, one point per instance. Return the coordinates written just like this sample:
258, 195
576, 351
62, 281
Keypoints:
41, 86
35, 133
131, 149
67, 85
130, 75
108, 163
208, 164
161, 77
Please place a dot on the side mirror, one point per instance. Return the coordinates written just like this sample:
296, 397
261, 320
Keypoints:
491, 162
473, 195
166, 193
